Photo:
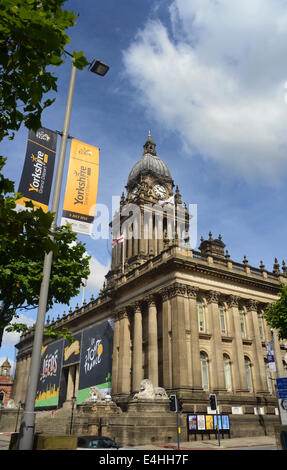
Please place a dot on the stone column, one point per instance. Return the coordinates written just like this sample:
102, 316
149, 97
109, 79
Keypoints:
166, 339
217, 367
71, 383
124, 374
116, 347
192, 293
239, 372
260, 382
137, 349
177, 293
152, 341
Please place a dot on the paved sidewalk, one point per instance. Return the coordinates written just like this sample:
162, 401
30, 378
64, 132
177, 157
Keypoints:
211, 444
225, 444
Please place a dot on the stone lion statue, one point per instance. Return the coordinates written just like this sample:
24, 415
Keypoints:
11, 404
95, 395
149, 392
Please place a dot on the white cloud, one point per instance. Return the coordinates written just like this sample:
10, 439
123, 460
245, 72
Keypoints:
97, 274
218, 81
10, 339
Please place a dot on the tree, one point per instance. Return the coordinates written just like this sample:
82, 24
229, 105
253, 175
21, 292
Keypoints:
276, 313
25, 238
32, 41
32, 38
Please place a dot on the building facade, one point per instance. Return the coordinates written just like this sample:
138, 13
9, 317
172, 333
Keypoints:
6, 383
189, 320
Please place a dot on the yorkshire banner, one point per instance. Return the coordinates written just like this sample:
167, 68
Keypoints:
82, 187
37, 176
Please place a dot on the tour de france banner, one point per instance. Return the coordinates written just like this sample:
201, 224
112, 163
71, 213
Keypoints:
96, 360
49, 378
72, 351
37, 175
82, 187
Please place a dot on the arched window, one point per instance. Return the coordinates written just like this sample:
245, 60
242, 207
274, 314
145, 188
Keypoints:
201, 316
2, 395
242, 323
222, 316
248, 373
227, 372
204, 370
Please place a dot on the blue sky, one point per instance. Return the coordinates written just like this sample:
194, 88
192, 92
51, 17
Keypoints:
209, 80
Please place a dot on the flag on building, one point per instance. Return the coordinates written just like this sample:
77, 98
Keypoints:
117, 241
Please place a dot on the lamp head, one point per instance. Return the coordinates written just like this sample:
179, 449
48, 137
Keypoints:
98, 67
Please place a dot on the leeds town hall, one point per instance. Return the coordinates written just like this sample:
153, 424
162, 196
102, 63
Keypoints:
188, 320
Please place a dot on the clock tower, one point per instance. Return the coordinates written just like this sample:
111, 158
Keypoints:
151, 216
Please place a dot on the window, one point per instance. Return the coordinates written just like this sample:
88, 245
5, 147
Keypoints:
261, 327
248, 373
204, 370
201, 315
227, 372
2, 395
222, 320
242, 323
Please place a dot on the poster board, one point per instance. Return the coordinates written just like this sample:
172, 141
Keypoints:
47, 394
96, 360
207, 424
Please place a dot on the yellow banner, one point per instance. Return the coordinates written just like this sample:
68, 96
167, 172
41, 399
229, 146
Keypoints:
82, 187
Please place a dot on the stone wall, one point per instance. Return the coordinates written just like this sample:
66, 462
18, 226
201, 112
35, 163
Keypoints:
142, 423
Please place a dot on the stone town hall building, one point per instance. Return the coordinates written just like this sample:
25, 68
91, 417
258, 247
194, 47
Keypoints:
189, 320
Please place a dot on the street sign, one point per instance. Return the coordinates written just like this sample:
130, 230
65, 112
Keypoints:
281, 383
282, 394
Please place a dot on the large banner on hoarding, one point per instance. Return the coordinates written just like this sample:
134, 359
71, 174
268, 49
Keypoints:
96, 360
36, 180
82, 187
50, 372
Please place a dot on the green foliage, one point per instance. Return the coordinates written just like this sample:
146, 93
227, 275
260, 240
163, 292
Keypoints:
25, 238
57, 334
276, 313
32, 38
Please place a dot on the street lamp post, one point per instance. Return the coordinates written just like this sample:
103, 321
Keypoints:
26, 437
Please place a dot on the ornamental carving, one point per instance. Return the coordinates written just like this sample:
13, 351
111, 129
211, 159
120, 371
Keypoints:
164, 294
192, 292
150, 300
123, 314
177, 289
136, 306
233, 300
212, 296
252, 305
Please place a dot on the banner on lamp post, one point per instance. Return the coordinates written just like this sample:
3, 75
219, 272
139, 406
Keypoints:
37, 175
271, 357
82, 187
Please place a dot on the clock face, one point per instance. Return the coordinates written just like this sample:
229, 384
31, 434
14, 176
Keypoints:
159, 190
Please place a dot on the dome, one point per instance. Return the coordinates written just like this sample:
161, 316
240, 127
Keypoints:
151, 163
